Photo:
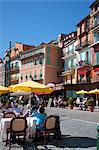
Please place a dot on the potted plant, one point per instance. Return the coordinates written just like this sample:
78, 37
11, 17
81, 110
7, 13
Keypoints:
71, 103
90, 104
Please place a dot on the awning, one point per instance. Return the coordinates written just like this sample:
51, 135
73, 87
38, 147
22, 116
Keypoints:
82, 72
96, 69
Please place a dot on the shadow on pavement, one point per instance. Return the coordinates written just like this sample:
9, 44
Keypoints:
71, 142
66, 141
76, 142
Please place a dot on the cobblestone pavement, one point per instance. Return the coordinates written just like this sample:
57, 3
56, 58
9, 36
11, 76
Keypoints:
78, 132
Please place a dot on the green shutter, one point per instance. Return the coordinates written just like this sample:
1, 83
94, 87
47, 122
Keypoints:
48, 60
97, 58
48, 50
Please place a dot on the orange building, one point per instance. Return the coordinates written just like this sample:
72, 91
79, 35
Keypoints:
41, 64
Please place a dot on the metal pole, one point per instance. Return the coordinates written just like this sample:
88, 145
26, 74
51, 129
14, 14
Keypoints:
5, 74
9, 62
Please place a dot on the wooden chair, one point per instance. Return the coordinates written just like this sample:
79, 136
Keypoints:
8, 115
48, 127
18, 129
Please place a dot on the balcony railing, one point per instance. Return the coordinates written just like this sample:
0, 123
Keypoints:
69, 54
30, 54
83, 81
82, 63
86, 43
95, 79
70, 68
95, 24
14, 70
78, 47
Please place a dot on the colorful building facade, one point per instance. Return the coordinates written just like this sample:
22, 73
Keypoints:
95, 41
2, 73
41, 64
12, 64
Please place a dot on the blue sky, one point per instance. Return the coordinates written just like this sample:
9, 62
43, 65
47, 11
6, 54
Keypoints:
35, 21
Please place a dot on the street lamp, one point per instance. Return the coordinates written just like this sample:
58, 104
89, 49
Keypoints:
7, 64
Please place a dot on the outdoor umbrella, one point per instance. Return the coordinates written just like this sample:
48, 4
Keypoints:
4, 90
82, 92
30, 86
95, 91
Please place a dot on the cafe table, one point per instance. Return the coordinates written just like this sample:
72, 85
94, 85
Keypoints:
31, 126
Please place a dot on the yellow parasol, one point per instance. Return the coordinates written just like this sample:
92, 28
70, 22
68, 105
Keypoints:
30, 86
82, 92
95, 91
3, 90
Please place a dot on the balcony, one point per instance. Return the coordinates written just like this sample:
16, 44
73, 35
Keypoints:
83, 44
78, 47
83, 81
14, 70
82, 63
95, 79
69, 70
14, 80
95, 12
86, 43
69, 54
32, 53
95, 25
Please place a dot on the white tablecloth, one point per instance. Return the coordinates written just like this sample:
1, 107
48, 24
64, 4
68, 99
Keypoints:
31, 122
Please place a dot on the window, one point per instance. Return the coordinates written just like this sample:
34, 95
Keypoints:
80, 29
58, 62
58, 51
48, 50
35, 75
48, 60
12, 65
96, 37
21, 76
26, 76
40, 73
97, 58
30, 75
35, 62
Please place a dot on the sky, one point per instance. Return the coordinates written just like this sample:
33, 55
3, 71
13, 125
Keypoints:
35, 21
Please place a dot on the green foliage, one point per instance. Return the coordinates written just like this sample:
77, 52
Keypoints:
90, 102
71, 101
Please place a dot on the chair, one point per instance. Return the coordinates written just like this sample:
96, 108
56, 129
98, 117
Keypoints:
49, 127
9, 115
18, 129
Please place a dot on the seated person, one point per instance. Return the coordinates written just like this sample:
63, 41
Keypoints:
8, 107
31, 108
16, 109
40, 118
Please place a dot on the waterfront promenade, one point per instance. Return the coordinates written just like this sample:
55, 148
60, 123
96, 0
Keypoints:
78, 132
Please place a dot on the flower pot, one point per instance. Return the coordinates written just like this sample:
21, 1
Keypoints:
90, 108
70, 106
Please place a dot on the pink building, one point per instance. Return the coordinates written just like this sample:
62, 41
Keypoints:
41, 64
12, 65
